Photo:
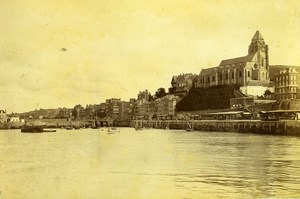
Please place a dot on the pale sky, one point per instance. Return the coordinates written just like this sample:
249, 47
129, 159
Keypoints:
117, 48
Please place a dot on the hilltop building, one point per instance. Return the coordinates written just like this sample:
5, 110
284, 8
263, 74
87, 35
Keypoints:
250, 72
181, 84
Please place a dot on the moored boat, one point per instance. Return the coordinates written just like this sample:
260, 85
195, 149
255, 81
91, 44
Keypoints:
113, 130
189, 130
32, 129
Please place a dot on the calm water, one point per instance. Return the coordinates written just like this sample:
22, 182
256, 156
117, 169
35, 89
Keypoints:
152, 163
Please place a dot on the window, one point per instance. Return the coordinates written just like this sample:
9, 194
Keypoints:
213, 78
220, 76
226, 76
240, 74
248, 73
232, 75
208, 79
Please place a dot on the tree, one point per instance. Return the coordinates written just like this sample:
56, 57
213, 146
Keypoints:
161, 92
76, 109
150, 97
267, 92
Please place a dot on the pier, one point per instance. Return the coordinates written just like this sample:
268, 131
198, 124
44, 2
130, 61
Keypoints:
288, 127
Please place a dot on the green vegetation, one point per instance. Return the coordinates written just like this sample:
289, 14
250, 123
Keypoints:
215, 97
161, 92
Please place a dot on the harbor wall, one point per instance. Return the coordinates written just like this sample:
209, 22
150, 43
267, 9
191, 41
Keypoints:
291, 127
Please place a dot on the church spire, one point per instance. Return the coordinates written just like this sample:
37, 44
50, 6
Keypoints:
257, 37
257, 42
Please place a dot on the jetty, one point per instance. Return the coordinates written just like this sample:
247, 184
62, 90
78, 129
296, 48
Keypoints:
287, 127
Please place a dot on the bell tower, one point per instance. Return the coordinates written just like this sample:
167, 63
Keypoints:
260, 53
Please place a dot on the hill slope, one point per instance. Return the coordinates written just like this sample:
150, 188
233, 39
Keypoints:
215, 97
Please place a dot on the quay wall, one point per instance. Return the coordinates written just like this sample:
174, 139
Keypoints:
59, 123
47, 123
291, 127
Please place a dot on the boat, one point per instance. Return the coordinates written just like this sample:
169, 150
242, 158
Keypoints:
32, 125
190, 127
69, 127
189, 130
32, 129
138, 128
113, 130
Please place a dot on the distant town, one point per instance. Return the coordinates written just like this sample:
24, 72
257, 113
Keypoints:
247, 84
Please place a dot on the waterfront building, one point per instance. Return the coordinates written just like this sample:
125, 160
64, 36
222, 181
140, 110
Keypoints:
90, 111
64, 112
166, 107
143, 96
14, 118
141, 105
78, 112
181, 84
142, 110
160, 108
113, 110
3, 116
246, 71
287, 84
126, 109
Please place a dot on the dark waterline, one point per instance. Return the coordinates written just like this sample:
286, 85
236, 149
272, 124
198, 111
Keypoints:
152, 163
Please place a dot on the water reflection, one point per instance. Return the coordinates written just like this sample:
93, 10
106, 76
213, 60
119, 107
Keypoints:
151, 163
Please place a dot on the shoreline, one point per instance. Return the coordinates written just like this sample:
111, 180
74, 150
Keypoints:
287, 127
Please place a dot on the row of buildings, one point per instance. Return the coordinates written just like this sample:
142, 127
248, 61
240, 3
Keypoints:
159, 108
259, 84
113, 108
5, 118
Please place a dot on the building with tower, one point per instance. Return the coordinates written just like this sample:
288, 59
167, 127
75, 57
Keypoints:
246, 71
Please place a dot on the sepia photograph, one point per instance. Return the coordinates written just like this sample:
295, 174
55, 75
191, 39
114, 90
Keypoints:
150, 99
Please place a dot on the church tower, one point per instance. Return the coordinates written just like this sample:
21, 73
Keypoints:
259, 52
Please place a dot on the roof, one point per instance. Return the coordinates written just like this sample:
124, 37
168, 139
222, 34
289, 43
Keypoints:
174, 79
207, 71
227, 113
281, 111
182, 77
257, 37
236, 60
258, 83
275, 69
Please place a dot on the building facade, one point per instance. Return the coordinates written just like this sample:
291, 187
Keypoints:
161, 108
181, 84
241, 70
3, 116
287, 84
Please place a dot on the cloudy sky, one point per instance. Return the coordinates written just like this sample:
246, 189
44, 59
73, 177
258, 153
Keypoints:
59, 53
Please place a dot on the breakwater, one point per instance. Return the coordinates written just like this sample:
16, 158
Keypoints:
291, 127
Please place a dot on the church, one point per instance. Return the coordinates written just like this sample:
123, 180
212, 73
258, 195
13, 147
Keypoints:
251, 72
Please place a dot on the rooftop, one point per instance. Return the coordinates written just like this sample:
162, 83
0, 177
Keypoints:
237, 60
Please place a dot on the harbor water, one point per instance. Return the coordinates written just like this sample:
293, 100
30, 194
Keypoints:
150, 163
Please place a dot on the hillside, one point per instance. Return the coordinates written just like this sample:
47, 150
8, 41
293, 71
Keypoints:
216, 97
